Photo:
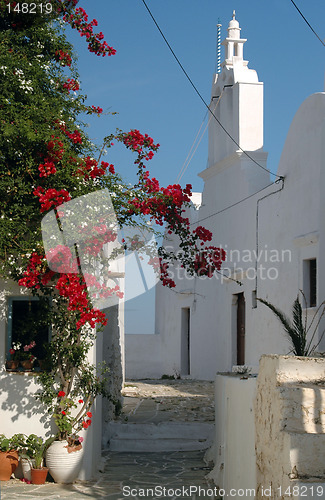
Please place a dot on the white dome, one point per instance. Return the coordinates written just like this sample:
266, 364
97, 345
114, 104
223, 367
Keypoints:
233, 24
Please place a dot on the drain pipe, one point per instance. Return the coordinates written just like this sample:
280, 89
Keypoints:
281, 179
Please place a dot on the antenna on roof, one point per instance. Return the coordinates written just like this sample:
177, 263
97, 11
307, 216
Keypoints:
218, 70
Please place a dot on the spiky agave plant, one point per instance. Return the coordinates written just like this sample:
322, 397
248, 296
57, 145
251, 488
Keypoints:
297, 329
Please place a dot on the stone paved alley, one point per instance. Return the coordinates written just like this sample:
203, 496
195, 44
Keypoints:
127, 474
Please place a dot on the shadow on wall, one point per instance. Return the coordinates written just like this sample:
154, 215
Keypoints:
304, 407
18, 404
304, 421
110, 351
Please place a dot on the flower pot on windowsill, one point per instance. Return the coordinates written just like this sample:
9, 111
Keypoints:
12, 365
27, 365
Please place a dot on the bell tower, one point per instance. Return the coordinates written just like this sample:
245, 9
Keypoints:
234, 45
236, 100
236, 135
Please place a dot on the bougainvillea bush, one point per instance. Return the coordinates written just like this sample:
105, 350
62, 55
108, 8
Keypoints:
46, 160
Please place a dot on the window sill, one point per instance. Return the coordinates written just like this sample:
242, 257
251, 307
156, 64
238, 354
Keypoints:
310, 309
20, 372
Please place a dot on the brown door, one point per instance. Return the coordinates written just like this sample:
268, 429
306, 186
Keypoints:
185, 341
240, 329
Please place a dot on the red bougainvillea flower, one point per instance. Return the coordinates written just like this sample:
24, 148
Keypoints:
80, 401
89, 414
51, 197
71, 84
63, 57
202, 233
97, 109
78, 20
61, 394
63, 412
12, 351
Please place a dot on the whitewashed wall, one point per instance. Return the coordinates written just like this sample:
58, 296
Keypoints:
273, 230
233, 452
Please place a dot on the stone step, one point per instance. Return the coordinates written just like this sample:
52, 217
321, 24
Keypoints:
307, 453
166, 436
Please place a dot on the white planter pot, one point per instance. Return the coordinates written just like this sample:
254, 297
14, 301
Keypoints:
26, 465
64, 467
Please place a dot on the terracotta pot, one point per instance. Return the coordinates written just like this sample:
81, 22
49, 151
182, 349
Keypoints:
27, 365
64, 466
8, 464
12, 365
39, 475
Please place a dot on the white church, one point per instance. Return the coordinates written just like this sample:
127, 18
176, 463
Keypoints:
271, 226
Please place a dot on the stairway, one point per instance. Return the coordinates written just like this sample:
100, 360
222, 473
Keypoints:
163, 416
150, 437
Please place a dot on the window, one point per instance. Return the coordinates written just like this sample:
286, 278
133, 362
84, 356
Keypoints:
254, 300
310, 281
27, 322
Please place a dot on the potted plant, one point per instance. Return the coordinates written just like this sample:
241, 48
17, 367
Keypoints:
69, 389
37, 448
13, 363
300, 334
9, 448
27, 455
26, 357
21, 355
64, 456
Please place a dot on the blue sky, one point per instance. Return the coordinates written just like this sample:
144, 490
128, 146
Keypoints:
143, 83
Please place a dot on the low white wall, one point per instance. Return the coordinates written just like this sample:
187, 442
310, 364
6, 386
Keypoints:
290, 424
270, 431
234, 446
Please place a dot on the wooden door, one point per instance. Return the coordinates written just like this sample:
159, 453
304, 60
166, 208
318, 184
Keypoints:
240, 329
